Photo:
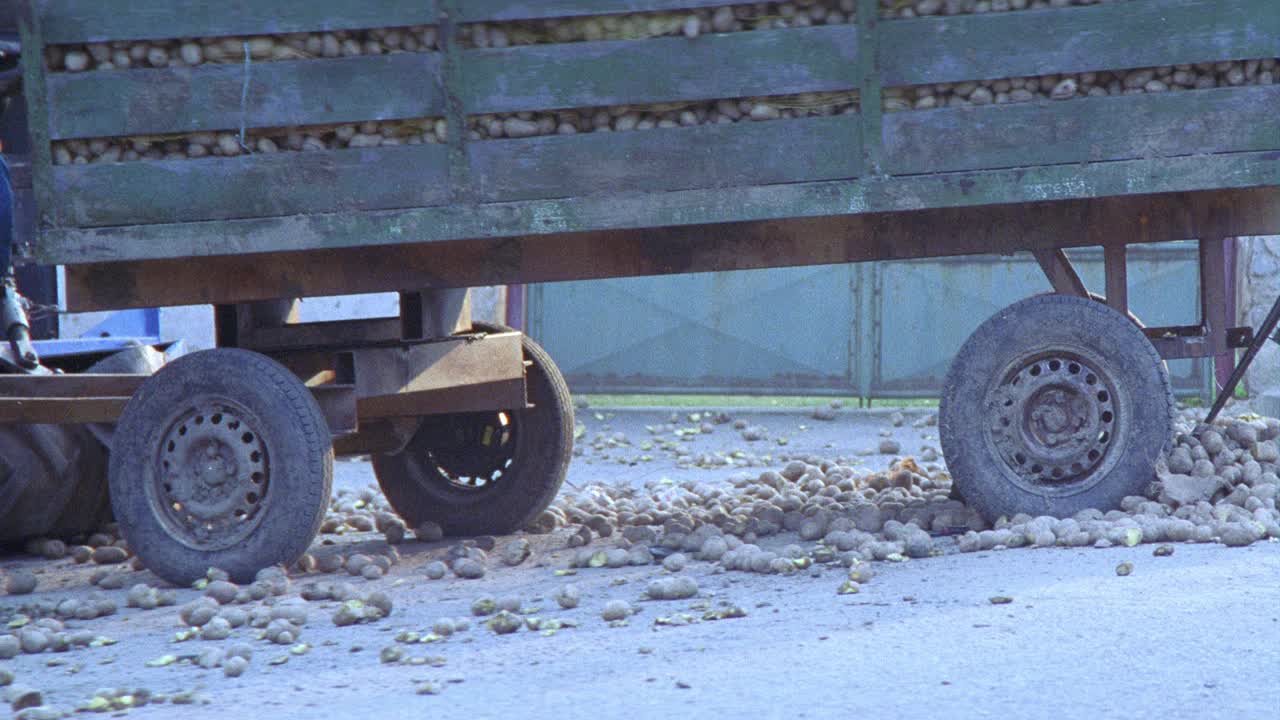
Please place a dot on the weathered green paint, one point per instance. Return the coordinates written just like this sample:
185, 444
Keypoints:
455, 107
662, 209
504, 10
31, 35
572, 75
872, 110
70, 21
829, 239
208, 97
227, 188
704, 156
1223, 120
1133, 34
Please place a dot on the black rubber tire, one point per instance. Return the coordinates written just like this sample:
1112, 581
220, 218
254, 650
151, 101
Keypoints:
956, 493
1048, 324
298, 484
419, 492
52, 482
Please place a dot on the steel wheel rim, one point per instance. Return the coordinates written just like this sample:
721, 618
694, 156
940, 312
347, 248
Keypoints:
1053, 421
472, 452
211, 474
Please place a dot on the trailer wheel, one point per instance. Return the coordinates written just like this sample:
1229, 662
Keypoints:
1054, 405
221, 459
487, 472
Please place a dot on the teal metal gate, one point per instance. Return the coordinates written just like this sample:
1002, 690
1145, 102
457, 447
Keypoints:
874, 330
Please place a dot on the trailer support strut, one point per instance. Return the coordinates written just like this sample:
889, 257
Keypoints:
1062, 276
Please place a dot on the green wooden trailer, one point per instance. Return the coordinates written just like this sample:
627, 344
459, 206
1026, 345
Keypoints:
223, 458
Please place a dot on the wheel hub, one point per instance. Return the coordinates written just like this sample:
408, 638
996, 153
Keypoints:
209, 488
211, 475
1058, 417
472, 451
1053, 418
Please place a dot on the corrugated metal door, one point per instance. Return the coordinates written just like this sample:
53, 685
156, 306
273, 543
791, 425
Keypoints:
874, 330
783, 331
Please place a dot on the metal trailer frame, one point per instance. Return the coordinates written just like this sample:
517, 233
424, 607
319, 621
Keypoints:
848, 188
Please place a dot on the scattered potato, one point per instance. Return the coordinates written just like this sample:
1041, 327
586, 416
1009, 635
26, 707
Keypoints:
20, 582
468, 569
672, 588
504, 623
568, 596
615, 610
234, 667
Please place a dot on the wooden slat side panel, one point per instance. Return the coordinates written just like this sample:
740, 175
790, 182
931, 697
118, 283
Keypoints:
1172, 124
208, 97
503, 10
31, 36
164, 191
730, 155
1139, 33
663, 209
593, 74
71, 21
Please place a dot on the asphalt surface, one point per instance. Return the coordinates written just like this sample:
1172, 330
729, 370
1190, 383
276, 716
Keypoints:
1193, 635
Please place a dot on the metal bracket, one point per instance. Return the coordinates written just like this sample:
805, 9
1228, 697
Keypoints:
1241, 337
338, 403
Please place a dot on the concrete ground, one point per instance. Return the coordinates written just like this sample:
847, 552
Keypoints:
1192, 635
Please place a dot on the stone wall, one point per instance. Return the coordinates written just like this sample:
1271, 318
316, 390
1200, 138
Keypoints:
1258, 286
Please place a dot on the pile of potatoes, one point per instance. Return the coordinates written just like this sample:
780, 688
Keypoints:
621, 118
638, 26
190, 52
258, 140
925, 8
728, 19
1216, 484
1169, 78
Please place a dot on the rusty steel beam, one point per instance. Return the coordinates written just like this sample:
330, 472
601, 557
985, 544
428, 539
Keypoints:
327, 334
65, 399
1213, 292
1060, 273
995, 229
1183, 347
70, 400
70, 386
61, 410
1115, 262
338, 403
497, 395
463, 374
383, 435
